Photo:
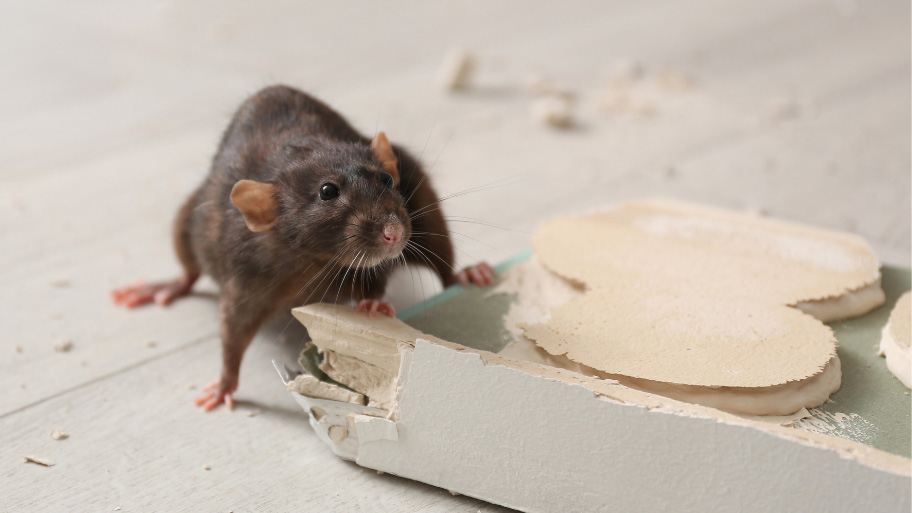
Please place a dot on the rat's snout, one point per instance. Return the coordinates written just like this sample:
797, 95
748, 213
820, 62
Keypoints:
392, 233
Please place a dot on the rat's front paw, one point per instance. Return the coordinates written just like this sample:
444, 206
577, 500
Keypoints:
216, 393
372, 306
480, 274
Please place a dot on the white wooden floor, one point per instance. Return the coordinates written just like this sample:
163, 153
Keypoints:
110, 112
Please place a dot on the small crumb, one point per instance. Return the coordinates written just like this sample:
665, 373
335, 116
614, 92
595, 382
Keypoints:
456, 70
207, 467
22, 386
59, 435
84, 363
553, 110
191, 386
905, 393
670, 172
151, 343
19, 349
252, 413
454, 492
60, 283
63, 346
380, 472
674, 81
117, 508
626, 71
338, 434
39, 460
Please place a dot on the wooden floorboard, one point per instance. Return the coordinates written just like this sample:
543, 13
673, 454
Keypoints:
112, 112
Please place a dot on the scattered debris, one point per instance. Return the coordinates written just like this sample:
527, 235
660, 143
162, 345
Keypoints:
60, 283
191, 386
456, 70
117, 508
553, 110
84, 363
151, 343
618, 101
59, 435
670, 172
674, 81
454, 492
63, 346
318, 413
207, 467
19, 349
626, 71
538, 85
39, 460
252, 413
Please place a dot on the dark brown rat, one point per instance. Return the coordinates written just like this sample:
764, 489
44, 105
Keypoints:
299, 207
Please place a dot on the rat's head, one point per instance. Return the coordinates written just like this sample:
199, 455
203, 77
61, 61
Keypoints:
335, 200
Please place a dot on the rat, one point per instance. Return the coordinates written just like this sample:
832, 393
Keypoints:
299, 207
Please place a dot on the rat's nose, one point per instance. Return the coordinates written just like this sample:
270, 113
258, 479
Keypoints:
392, 233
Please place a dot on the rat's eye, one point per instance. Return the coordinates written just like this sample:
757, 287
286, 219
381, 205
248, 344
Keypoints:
328, 192
387, 179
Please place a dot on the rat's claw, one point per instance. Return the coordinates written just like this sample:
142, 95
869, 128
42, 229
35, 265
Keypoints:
375, 305
214, 394
480, 274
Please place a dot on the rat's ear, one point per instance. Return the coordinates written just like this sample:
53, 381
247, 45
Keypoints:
383, 151
256, 200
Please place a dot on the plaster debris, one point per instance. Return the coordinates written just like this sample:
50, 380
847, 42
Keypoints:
63, 346
620, 102
553, 110
895, 340
318, 413
455, 72
338, 434
626, 71
38, 460
59, 435
704, 295
306, 384
850, 426
60, 283
670, 80
206, 467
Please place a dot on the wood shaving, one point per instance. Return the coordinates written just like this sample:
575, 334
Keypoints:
38, 460
59, 435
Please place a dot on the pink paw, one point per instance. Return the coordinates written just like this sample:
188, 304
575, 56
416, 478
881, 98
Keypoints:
372, 306
216, 393
479, 274
141, 293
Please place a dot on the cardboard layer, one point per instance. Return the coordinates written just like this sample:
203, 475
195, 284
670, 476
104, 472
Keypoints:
688, 295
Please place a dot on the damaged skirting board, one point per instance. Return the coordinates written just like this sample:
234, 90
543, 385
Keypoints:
542, 439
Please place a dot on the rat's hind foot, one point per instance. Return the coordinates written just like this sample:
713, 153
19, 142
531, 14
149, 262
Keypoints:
372, 306
141, 292
215, 393
480, 274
